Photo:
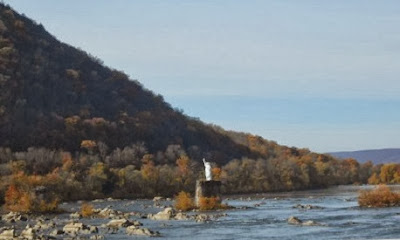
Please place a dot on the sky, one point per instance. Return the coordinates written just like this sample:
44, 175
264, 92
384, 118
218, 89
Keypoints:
322, 75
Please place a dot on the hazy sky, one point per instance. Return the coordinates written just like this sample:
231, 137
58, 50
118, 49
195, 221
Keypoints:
317, 74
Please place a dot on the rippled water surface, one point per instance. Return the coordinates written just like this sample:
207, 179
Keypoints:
340, 215
267, 214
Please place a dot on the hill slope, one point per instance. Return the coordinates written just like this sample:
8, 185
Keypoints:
55, 96
377, 156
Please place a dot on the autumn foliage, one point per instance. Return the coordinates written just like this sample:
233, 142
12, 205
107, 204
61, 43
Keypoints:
184, 202
30, 193
210, 203
133, 172
88, 144
381, 196
387, 174
87, 210
17, 200
216, 173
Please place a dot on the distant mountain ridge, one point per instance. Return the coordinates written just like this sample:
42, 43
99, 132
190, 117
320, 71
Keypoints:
377, 156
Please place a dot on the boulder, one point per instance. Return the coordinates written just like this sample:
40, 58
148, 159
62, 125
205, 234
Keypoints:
202, 218
137, 223
41, 225
312, 223
7, 234
155, 199
75, 215
56, 232
108, 213
307, 207
181, 216
12, 217
294, 220
166, 214
134, 230
75, 228
93, 229
28, 233
89, 230
118, 223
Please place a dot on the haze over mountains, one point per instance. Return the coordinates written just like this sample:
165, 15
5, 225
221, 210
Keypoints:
390, 155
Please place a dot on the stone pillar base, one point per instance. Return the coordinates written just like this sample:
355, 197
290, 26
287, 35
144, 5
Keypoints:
207, 189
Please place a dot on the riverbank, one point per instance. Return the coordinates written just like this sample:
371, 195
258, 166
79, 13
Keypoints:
331, 213
109, 217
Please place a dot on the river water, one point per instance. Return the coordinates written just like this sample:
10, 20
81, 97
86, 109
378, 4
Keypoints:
266, 217
339, 213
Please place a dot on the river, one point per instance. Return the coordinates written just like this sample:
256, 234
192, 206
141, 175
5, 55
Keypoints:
265, 216
339, 213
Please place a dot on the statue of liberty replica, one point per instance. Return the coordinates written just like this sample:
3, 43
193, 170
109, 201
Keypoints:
207, 188
207, 170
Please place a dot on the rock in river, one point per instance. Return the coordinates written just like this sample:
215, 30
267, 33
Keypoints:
312, 223
181, 216
12, 217
56, 232
75, 215
155, 199
79, 228
134, 230
294, 220
28, 233
307, 207
118, 223
7, 234
109, 213
166, 214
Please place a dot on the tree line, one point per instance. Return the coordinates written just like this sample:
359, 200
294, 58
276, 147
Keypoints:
133, 172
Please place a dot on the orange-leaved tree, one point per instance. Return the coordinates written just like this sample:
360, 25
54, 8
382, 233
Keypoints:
183, 201
216, 173
184, 174
150, 175
17, 200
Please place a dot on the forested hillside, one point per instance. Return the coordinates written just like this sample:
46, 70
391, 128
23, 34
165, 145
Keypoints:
82, 130
56, 96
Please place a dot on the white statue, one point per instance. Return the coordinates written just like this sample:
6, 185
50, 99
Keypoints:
207, 167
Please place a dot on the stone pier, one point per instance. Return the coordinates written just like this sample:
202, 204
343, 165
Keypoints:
207, 189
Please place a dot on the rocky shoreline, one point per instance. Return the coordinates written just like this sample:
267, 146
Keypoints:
113, 219
72, 225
